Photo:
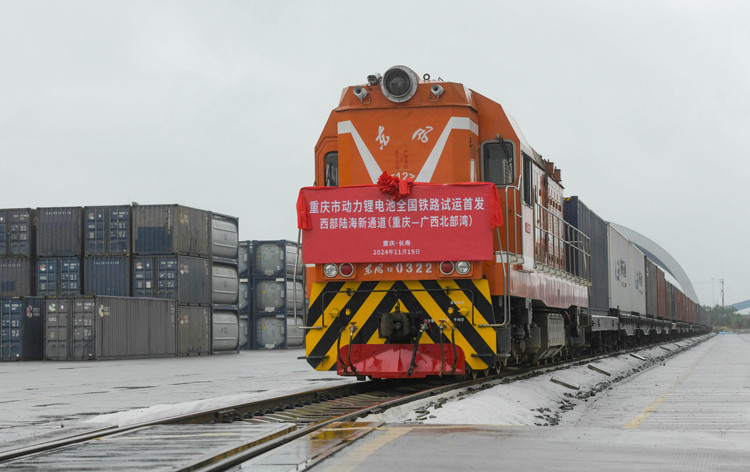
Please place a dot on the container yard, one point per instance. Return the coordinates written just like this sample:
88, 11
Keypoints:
164, 278
89, 272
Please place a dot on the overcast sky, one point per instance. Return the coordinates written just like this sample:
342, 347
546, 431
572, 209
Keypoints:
644, 105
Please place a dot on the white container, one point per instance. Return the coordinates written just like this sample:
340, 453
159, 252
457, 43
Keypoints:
638, 272
620, 271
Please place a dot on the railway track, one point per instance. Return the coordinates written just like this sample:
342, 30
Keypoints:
242, 431
221, 439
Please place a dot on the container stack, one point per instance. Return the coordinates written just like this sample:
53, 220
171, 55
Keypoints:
172, 260
244, 270
117, 282
58, 250
17, 252
278, 293
224, 283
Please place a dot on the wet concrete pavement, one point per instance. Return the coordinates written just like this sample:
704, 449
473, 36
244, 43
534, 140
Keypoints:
690, 413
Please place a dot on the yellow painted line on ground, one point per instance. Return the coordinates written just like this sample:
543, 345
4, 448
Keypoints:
360, 453
649, 410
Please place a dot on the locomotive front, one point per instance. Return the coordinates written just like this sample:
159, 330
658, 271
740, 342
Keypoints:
397, 232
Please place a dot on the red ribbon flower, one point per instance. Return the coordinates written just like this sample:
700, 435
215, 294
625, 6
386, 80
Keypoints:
393, 186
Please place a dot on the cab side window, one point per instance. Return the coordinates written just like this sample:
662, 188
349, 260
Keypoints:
497, 162
331, 169
527, 179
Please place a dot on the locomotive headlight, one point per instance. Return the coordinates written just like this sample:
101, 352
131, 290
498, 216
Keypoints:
330, 270
360, 92
399, 83
463, 267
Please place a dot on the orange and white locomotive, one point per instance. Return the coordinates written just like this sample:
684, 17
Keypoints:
434, 240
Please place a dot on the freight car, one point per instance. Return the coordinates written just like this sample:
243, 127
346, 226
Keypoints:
438, 242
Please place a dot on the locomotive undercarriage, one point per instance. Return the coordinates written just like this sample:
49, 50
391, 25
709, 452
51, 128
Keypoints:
538, 334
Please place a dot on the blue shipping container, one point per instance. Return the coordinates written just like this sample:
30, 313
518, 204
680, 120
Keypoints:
16, 277
106, 230
184, 279
578, 215
21, 328
58, 276
16, 232
59, 231
106, 275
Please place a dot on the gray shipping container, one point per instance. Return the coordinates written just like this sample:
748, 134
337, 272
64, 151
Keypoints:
193, 330
171, 229
59, 231
652, 307
87, 328
184, 279
17, 232
84, 336
244, 259
270, 332
106, 275
276, 259
245, 334
57, 326
244, 296
16, 277
226, 330
278, 295
106, 230
135, 327
224, 284
295, 337
69, 328
585, 220
224, 236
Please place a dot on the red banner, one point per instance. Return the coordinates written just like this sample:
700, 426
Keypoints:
433, 223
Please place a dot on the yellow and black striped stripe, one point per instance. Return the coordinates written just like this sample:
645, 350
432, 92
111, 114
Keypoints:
464, 305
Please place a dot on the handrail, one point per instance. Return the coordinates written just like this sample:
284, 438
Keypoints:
294, 290
562, 247
506, 266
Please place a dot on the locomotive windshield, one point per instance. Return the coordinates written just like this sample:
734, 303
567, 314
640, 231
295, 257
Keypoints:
497, 165
332, 169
